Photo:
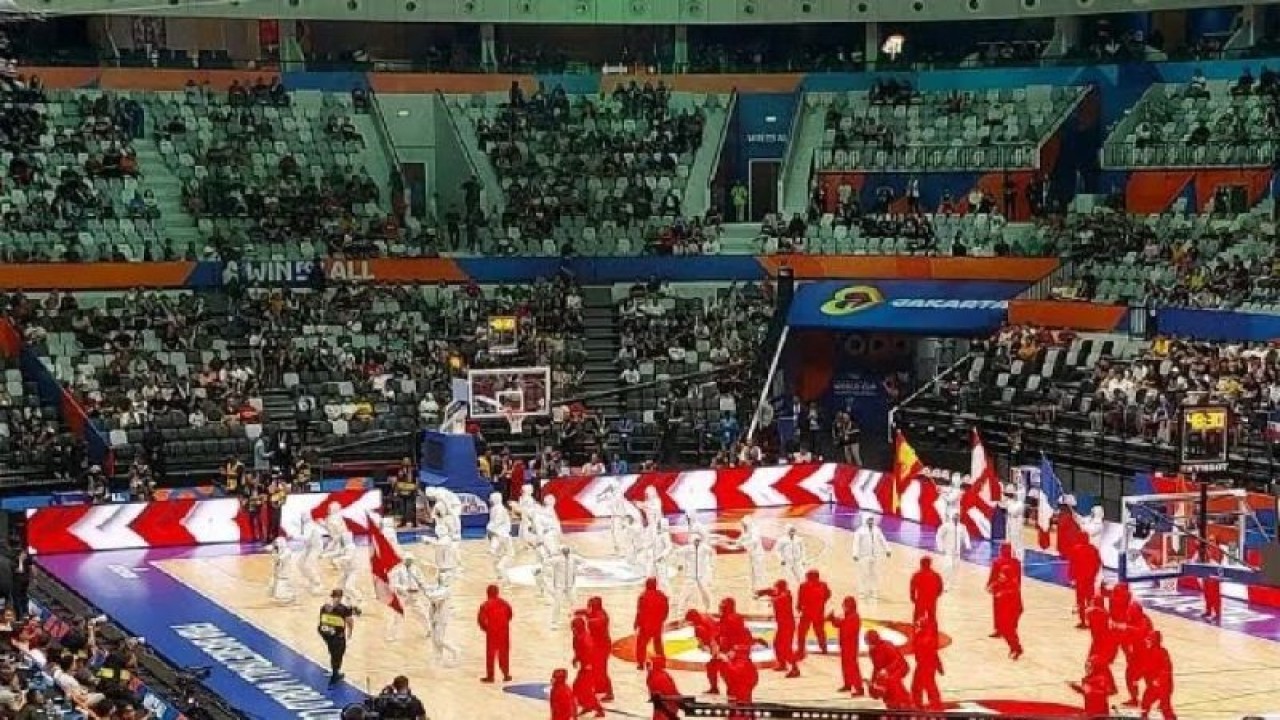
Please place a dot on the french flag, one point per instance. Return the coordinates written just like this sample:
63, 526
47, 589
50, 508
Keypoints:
1050, 498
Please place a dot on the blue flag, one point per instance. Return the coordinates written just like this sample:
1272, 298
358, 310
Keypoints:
1050, 494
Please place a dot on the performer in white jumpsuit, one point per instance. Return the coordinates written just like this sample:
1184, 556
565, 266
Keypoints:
564, 584
498, 532
1094, 525
636, 545
652, 509
619, 508
952, 540
793, 556
389, 532
697, 563
448, 560
1015, 509
547, 522
402, 587
527, 508
410, 585
446, 508
869, 550
659, 555
347, 567
281, 562
440, 597
335, 526
951, 496
752, 544
309, 558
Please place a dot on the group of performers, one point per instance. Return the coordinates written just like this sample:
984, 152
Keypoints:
680, 567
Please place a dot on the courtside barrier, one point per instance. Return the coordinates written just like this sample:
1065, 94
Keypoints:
182, 522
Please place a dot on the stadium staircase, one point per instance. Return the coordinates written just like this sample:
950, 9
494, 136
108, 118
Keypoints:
179, 225
698, 193
600, 337
797, 169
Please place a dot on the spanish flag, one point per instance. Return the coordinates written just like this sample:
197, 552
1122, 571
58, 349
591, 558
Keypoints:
906, 466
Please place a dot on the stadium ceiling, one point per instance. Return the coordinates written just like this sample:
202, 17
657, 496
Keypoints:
616, 12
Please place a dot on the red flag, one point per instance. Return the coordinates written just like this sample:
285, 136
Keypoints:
383, 558
980, 497
906, 467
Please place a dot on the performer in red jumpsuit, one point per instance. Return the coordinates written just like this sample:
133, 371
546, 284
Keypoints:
598, 626
494, 619
1133, 640
707, 631
784, 639
1118, 602
584, 658
888, 670
1212, 599
560, 696
1069, 532
811, 601
849, 627
1004, 560
1007, 591
652, 609
740, 675
659, 683
1104, 640
584, 691
1097, 688
926, 588
1083, 564
924, 681
1159, 677
733, 628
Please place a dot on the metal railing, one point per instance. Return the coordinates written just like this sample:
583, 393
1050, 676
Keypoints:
1245, 152
789, 158
467, 148
1064, 274
388, 146
924, 157
715, 159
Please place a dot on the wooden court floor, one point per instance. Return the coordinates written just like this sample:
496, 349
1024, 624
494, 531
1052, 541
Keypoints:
1220, 673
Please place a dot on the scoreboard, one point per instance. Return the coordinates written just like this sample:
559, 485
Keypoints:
1203, 444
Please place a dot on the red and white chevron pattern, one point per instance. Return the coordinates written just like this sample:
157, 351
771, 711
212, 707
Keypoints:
175, 523
578, 498
919, 500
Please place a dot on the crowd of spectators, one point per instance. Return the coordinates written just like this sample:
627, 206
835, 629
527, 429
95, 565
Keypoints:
1199, 261
280, 174
612, 158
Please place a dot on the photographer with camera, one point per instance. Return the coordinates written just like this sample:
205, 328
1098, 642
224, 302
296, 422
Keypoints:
397, 702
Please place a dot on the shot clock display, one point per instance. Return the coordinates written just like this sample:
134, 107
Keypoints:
1204, 438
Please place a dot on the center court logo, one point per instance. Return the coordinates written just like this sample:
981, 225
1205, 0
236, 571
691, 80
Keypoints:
852, 299
680, 645
592, 573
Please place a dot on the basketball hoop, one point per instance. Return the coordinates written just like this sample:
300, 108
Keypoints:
515, 420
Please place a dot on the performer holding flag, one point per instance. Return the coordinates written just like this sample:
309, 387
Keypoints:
383, 560
1050, 499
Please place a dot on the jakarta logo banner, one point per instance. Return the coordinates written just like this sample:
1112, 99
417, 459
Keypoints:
934, 307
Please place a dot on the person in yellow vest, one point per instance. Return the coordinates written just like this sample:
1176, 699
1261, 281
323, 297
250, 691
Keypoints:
337, 622
254, 496
232, 475
406, 492
277, 492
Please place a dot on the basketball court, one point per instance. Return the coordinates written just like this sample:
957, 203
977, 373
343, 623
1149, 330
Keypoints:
209, 606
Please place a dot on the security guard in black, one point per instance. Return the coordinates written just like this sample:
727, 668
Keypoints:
335, 626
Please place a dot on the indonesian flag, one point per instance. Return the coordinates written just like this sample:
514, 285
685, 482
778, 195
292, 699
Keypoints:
978, 503
383, 558
906, 467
